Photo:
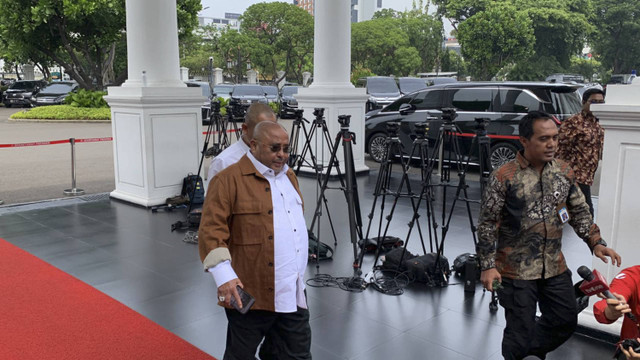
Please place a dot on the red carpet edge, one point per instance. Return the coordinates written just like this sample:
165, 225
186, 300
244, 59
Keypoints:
46, 313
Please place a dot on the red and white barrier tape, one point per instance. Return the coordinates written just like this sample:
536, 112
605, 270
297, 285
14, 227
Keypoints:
55, 142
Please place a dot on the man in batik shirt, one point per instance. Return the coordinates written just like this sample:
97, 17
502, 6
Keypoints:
526, 203
580, 143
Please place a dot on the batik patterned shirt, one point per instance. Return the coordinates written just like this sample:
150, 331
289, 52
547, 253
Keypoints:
520, 230
580, 142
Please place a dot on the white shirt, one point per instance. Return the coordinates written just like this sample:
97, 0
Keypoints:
228, 156
291, 242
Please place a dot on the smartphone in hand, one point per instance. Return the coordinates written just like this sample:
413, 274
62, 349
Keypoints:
246, 298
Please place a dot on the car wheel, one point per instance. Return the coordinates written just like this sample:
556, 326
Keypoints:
378, 147
501, 154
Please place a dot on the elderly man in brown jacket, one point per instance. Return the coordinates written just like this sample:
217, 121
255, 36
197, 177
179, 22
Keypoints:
253, 236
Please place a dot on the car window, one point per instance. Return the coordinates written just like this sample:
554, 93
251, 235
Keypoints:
559, 100
22, 85
408, 85
395, 106
223, 89
289, 90
57, 88
428, 100
382, 86
518, 101
471, 99
270, 90
248, 90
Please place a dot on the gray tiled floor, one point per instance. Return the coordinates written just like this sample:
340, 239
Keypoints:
129, 253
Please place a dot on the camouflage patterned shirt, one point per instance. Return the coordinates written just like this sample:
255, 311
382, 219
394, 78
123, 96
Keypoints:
580, 141
520, 230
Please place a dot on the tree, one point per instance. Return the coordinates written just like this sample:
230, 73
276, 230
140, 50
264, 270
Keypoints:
615, 40
425, 34
452, 61
83, 36
383, 46
285, 34
495, 37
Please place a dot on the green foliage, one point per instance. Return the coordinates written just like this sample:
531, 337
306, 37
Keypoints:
87, 99
63, 112
535, 68
616, 39
359, 73
586, 67
452, 61
223, 105
282, 35
85, 36
494, 38
397, 43
275, 107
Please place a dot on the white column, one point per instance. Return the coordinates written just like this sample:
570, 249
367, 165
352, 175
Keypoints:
184, 73
619, 198
147, 21
252, 77
156, 121
331, 88
217, 76
28, 72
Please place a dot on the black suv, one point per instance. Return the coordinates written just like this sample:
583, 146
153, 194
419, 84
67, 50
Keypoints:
20, 92
502, 103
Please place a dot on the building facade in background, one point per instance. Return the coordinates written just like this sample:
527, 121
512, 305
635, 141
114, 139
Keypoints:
361, 10
230, 20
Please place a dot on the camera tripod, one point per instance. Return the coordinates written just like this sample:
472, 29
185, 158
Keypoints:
296, 160
348, 185
394, 146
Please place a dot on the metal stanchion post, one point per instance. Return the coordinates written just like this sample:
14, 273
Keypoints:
73, 191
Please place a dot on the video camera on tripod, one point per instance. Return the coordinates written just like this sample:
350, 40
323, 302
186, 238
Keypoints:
236, 110
449, 115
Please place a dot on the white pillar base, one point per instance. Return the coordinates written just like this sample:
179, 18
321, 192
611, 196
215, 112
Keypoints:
336, 101
157, 136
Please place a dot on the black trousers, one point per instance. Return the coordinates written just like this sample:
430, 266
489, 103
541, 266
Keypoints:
523, 335
586, 190
289, 334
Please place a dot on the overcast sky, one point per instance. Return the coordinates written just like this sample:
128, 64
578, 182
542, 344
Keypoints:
217, 8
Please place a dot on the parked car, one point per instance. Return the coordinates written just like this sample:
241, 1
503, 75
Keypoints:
19, 93
288, 101
272, 93
246, 94
565, 78
223, 90
502, 103
411, 84
382, 90
440, 80
206, 92
621, 79
54, 93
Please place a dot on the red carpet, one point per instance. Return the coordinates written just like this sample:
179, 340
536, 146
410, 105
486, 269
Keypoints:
48, 314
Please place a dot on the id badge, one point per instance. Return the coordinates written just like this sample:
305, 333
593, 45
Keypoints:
563, 214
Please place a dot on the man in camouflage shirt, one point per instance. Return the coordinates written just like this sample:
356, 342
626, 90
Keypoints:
580, 143
524, 207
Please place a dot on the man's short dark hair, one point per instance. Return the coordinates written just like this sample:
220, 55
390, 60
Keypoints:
525, 127
587, 94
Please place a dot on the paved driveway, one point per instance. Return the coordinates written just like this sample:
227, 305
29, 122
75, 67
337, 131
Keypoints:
42, 172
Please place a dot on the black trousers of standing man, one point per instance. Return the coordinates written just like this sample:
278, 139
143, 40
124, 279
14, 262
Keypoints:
289, 334
523, 335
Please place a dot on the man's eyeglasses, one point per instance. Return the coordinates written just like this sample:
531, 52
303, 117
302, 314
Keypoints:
594, 101
277, 147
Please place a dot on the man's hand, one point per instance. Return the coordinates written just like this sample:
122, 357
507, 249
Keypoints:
488, 276
228, 289
630, 354
602, 252
616, 307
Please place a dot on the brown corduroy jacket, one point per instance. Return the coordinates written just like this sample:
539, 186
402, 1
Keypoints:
237, 225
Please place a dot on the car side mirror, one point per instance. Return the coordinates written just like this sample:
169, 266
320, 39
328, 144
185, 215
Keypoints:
406, 109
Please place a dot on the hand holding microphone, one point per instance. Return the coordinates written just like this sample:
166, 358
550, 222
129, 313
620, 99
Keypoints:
594, 284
